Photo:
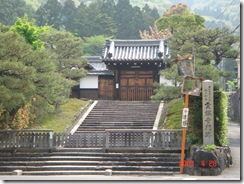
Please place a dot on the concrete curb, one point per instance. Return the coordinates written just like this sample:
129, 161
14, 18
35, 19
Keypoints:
83, 117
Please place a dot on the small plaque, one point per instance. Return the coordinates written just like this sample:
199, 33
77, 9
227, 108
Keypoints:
185, 117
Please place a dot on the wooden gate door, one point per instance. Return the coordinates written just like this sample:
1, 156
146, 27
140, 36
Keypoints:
136, 85
106, 87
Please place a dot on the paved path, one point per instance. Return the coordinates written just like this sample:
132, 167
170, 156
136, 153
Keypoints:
234, 143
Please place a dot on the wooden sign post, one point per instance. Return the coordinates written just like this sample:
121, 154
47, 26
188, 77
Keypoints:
190, 86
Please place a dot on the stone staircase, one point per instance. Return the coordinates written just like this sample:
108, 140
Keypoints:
99, 160
121, 115
90, 162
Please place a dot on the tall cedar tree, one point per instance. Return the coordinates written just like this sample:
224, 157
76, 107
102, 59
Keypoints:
50, 14
10, 10
68, 12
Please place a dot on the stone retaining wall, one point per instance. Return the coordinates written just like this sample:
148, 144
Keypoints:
208, 163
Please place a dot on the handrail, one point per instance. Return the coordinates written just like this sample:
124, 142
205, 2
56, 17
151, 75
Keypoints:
26, 131
142, 130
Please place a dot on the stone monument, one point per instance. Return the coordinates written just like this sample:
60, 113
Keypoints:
208, 112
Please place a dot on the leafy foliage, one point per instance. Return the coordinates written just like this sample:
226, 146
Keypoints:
32, 80
15, 76
172, 74
220, 119
167, 93
30, 31
179, 19
195, 120
175, 9
215, 44
154, 33
66, 52
189, 36
210, 147
92, 46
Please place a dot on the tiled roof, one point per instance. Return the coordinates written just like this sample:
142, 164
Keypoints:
135, 50
97, 66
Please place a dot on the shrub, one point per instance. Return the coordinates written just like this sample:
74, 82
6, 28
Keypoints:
210, 147
167, 93
195, 135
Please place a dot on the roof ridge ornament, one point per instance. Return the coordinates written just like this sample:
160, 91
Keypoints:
161, 49
111, 50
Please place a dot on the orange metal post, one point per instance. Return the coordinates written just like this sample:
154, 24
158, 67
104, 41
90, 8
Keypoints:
183, 139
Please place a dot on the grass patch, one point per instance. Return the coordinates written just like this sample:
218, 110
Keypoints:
174, 114
60, 121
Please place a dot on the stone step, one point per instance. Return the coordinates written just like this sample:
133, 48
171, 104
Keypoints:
112, 102
98, 128
88, 168
116, 123
121, 110
119, 119
144, 173
116, 110
44, 173
47, 173
72, 152
90, 156
114, 126
120, 115
70, 173
87, 158
89, 163
75, 161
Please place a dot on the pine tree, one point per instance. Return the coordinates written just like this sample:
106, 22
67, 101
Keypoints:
67, 51
16, 76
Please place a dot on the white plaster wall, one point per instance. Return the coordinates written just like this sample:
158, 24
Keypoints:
89, 82
164, 81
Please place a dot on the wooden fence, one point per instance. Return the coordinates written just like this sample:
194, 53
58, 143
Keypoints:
108, 139
135, 94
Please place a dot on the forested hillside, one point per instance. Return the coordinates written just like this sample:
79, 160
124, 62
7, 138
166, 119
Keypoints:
224, 13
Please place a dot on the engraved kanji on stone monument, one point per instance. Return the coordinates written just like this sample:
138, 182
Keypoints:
208, 112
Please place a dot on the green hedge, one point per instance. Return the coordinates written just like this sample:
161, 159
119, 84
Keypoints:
195, 135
